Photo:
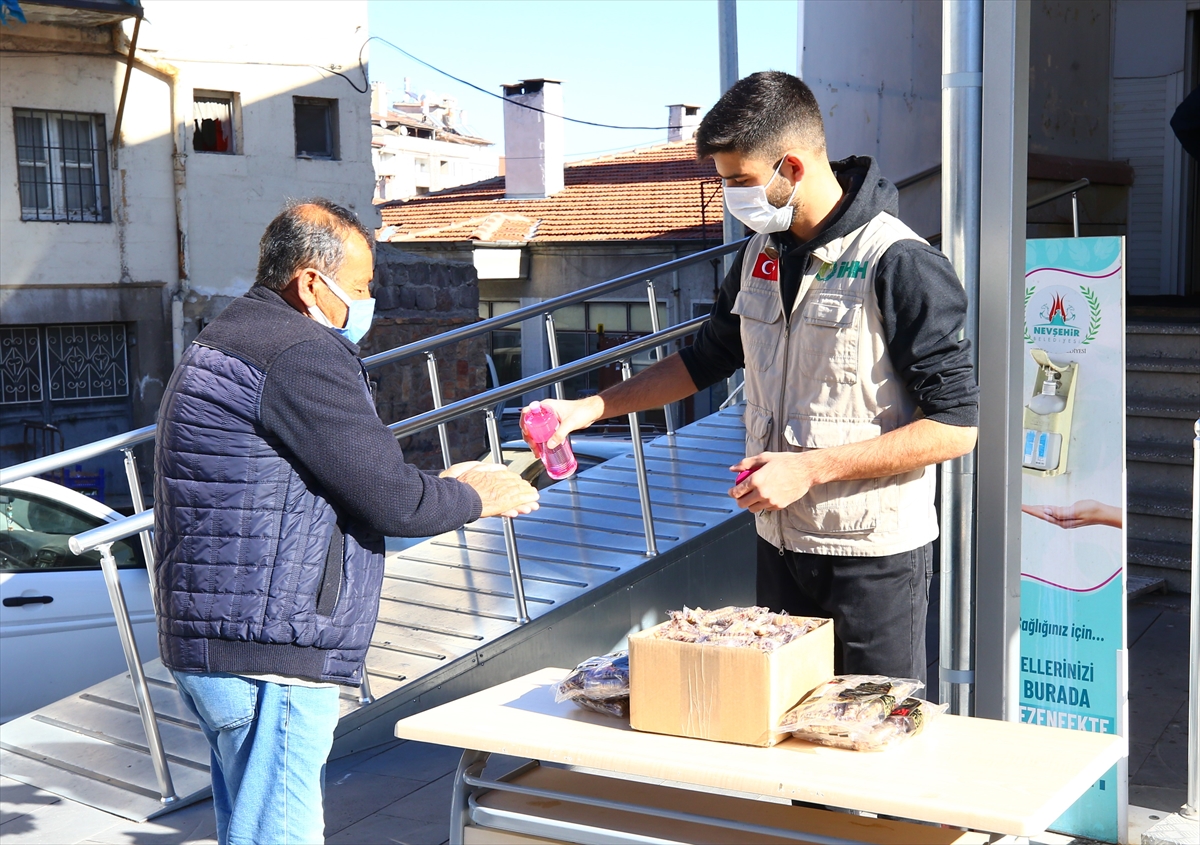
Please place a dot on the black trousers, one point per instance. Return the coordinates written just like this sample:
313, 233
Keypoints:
878, 604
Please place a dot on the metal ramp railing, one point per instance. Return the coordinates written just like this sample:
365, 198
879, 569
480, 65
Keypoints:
135, 751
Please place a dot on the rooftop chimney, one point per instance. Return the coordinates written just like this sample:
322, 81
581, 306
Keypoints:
380, 98
533, 139
682, 122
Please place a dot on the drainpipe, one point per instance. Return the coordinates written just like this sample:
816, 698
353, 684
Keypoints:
962, 113
179, 123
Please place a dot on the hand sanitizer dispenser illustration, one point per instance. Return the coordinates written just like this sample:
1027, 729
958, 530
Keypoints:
1047, 423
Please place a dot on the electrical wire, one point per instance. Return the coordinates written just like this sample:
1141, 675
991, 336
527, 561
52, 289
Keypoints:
482, 90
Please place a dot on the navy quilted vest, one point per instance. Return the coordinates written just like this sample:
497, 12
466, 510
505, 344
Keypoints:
254, 572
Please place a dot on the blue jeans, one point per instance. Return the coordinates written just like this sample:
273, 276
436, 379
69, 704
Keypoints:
269, 745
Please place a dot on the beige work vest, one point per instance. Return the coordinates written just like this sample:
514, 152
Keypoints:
824, 378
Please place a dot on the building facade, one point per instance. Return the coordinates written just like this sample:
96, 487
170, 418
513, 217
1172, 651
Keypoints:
142, 177
1105, 77
546, 228
420, 144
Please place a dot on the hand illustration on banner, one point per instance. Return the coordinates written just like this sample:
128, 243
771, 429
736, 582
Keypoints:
1082, 513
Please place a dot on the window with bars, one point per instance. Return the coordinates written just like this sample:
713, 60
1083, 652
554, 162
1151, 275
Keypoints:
63, 363
62, 166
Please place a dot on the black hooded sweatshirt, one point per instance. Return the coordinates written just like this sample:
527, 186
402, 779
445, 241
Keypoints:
922, 303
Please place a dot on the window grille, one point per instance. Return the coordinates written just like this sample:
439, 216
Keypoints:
316, 127
87, 361
62, 166
212, 120
20, 365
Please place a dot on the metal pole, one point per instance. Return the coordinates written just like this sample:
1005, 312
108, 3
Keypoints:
364, 689
435, 386
997, 609
662, 351
552, 344
728, 46
510, 535
1191, 809
141, 691
639, 461
1075, 211
139, 505
962, 84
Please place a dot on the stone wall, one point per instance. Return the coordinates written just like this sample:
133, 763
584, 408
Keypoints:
418, 297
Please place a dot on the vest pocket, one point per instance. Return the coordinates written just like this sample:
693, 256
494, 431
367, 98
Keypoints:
761, 316
838, 507
828, 335
758, 428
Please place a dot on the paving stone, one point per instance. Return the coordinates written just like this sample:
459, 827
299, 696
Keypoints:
1158, 677
341, 765
60, 823
194, 824
385, 830
356, 795
430, 803
413, 761
1140, 616
19, 799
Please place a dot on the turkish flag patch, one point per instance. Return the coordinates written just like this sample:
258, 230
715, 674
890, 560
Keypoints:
766, 267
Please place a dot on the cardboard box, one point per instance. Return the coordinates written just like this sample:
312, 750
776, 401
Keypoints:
722, 693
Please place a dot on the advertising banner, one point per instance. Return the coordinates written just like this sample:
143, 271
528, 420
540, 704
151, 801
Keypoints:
1073, 501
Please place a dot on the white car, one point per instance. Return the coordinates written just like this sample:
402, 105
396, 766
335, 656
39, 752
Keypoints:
58, 634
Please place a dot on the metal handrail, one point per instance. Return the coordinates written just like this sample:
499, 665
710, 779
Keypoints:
482, 401
538, 309
111, 532
426, 346
78, 454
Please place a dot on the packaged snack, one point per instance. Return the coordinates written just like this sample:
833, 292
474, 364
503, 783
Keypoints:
599, 684
906, 719
735, 627
849, 702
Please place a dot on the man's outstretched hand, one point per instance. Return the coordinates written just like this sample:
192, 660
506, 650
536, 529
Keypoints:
504, 493
573, 415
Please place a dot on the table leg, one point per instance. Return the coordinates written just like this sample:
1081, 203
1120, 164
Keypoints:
472, 763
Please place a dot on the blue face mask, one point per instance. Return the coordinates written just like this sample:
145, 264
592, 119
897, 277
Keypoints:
358, 320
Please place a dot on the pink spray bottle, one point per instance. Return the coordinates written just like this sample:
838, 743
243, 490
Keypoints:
540, 423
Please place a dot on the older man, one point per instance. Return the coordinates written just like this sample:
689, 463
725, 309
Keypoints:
276, 483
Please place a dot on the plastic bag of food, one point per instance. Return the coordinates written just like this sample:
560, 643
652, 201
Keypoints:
735, 627
906, 719
608, 706
599, 684
848, 703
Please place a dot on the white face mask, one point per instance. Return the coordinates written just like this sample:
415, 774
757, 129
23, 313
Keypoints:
751, 206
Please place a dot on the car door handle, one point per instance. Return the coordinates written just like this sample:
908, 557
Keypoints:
18, 601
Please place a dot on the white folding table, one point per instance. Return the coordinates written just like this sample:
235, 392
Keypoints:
964, 773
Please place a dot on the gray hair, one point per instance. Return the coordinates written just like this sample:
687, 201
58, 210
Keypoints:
307, 233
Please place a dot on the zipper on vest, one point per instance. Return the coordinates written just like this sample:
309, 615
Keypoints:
781, 408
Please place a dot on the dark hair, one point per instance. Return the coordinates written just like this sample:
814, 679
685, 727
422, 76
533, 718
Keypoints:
307, 233
762, 115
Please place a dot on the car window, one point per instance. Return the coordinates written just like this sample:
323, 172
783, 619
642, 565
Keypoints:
34, 532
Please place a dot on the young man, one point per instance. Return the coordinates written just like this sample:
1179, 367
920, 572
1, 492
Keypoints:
847, 324
275, 484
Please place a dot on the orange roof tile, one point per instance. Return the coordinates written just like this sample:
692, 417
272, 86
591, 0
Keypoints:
646, 194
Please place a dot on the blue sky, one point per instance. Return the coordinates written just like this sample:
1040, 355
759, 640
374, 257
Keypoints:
621, 61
